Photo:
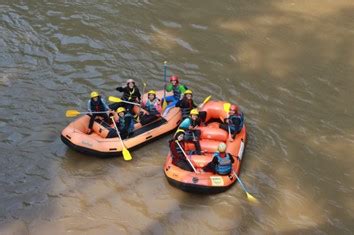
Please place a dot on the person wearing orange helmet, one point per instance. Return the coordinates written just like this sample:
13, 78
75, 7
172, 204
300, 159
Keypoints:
131, 93
234, 121
152, 108
97, 107
178, 90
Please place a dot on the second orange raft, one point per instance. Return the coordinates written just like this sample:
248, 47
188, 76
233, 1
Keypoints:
211, 137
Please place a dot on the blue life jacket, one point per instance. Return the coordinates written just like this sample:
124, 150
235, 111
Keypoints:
237, 118
224, 165
150, 107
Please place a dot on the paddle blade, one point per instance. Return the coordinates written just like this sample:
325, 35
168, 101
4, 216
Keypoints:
227, 107
251, 198
126, 154
164, 104
114, 99
206, 99
72, 113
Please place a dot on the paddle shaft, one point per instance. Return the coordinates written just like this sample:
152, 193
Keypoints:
164, 79
94, 112
115, 127
144, 85
184, 153
128, 102
239, 180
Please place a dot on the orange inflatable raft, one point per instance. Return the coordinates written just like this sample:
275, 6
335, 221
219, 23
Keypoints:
211, 137
76, 137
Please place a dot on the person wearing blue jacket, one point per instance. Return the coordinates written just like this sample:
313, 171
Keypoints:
192, 134
97, 108
221, 163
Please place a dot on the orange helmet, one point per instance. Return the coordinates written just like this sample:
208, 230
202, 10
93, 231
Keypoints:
174, 78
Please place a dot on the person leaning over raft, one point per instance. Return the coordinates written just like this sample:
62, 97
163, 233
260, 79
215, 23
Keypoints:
178, 158
221, 163
189, 125
186, 103
153, 108
124, 122
178, 90
97, 104
131, 93
234, 121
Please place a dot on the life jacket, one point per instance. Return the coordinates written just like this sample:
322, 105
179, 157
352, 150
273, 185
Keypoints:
130, 94
97, 106
121, 123
194, 123
224, 165
177, 153
186, 106
176, 92
236, 118
151, 106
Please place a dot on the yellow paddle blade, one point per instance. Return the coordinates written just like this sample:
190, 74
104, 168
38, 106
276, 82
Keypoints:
72, 113
251, 198
114, 99
164, 104
207, 99
227, 107
126, 154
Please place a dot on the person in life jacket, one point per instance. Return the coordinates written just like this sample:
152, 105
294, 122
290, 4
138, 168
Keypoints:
178, 90
131, 93
153, 108
221, 163
97, 104
124, 122
186, 103
178, 158
192, 134
234, 121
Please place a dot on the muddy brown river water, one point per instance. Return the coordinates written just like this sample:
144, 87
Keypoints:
288, 64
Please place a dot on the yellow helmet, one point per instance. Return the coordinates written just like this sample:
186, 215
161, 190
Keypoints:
188, 92
120, 109
94, 94
179, 132
194, 112
222, 147
152, 92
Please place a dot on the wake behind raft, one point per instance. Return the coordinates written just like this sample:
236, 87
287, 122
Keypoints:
75, 134
211, 137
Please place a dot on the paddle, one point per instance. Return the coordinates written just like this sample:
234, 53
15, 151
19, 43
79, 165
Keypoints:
204, 102
117, 100
227, 109
125, 151
164, 104
138, 118
249, 196
184, 153
74, 113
